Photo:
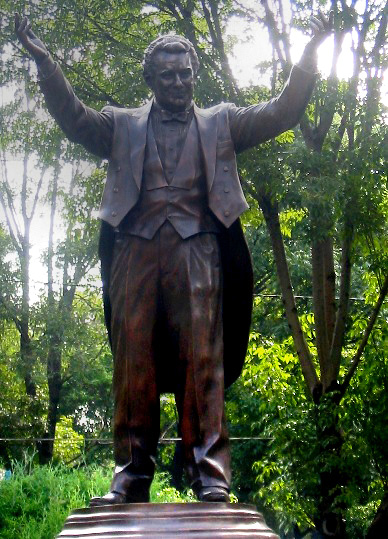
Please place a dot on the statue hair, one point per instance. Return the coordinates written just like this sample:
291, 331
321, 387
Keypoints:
168, 43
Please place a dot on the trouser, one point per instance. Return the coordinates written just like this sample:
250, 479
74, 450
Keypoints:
175, 285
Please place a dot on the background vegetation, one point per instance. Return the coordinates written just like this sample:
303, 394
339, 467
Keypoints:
313, 395
36, 500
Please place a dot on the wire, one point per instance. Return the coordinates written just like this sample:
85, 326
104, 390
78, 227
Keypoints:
99, 286
110, 440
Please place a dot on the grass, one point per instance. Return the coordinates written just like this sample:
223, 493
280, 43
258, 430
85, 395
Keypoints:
36, 500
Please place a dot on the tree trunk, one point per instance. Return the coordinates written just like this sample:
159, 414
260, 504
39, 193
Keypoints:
26, 354
54, 379
27, 361
54, 329
330, 522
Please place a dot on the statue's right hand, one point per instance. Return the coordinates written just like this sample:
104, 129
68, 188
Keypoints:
29, 40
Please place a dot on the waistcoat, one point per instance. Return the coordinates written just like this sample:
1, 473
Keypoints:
181, 201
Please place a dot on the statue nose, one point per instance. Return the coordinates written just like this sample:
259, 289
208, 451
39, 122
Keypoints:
178, 81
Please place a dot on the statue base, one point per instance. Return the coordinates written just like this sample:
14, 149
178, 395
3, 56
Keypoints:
168, 521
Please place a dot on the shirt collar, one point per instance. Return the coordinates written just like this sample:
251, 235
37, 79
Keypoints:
167, 115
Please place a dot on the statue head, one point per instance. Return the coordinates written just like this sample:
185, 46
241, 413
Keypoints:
170, 66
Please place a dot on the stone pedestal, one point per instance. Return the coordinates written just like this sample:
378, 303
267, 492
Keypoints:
168, 521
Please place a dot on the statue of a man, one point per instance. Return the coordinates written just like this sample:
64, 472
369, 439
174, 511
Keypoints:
177, 278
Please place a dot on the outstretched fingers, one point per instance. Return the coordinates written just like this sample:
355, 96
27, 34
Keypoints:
29, 40
17, 20
316, 25
326, 23
20, 24
321, 26
331, 21
21, 28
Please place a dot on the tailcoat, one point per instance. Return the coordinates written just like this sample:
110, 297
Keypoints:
119, 135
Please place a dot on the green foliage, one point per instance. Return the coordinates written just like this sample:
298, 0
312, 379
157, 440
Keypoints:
303, 441
68, 443
36, 500
286, 138
288, 220
20, 416
162, 492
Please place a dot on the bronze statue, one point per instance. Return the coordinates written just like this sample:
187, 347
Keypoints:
177, 277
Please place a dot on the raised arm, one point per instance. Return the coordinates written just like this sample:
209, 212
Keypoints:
255, 124
80, 123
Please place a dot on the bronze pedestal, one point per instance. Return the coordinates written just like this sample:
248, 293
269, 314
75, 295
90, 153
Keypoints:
168, 521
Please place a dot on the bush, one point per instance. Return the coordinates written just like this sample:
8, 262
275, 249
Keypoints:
36, 500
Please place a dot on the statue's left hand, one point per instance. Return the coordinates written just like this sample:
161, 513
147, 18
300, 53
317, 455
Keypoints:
321, 27
29, 40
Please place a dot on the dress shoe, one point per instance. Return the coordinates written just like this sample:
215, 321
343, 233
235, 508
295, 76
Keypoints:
126, 487
112, 498
213, 494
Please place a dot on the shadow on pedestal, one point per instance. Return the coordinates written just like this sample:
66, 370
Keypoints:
168, 521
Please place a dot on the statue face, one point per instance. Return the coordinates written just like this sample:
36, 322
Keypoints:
173, 80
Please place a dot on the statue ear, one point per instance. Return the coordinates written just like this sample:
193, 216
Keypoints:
149, 80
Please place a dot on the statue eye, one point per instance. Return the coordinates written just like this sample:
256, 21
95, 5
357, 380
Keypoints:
186, 74
167, 75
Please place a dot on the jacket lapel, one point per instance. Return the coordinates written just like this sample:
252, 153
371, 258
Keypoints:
137, 128
207, 122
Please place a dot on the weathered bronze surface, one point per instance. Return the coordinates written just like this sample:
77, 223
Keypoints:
177, 276
168, 521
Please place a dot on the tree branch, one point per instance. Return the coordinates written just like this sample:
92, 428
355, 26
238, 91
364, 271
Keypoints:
38, 188
340, 135
274, 34
357, 357
339, 329
9, 209
272, 219
213, 23
329, 106
102, 96
284, 34
50, 250
317, 259
11, 313
373, 83
329, 287
307, 132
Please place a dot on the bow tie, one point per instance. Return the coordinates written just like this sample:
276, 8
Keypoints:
168, 116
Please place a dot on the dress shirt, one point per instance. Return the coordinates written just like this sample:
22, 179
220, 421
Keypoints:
170, 136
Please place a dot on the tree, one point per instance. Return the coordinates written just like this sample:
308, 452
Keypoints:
74, 256
333, 174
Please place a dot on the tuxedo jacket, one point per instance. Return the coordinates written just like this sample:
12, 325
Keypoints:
119, 135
